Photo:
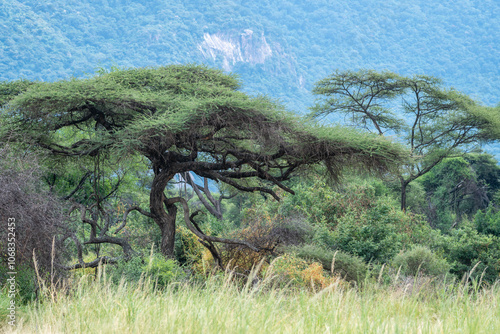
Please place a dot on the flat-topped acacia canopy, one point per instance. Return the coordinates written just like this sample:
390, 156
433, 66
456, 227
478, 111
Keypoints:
184, 118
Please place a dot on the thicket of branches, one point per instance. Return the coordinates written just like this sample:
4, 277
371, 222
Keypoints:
39, 215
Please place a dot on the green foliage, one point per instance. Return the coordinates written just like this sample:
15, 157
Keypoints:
188, 250
433, 121
378, 233
157, 268
416, 196
372, 241
10, 89
131, 270
487, 171
162, 271
26, 284
464, 248
358, 218
453, 191
420, 260
349, 267
450, 171
457, 188
122, 111
488, 221
364, 103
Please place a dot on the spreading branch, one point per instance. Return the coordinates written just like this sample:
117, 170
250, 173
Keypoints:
203, 236
125, 215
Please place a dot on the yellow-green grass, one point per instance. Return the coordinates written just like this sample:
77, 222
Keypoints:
219, 306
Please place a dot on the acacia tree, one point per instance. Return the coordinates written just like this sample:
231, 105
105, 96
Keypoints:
184, 118
433, 121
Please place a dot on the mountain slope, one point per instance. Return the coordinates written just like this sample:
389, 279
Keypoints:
279, 48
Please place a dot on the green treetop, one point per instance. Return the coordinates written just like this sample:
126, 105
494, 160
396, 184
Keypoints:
433, 121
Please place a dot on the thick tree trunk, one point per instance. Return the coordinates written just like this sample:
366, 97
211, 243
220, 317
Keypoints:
167, 226
163, 214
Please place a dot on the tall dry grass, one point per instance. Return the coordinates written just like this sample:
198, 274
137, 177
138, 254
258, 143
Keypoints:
221, 305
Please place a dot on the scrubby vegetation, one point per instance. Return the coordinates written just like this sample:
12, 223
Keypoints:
219, 304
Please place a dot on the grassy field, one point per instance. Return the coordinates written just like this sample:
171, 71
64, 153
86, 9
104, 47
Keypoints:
221, 306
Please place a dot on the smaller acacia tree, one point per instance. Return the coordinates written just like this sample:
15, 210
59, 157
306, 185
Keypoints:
433, 121
184, 119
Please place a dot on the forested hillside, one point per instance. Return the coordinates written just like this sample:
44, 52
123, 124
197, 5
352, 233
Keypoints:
279, 48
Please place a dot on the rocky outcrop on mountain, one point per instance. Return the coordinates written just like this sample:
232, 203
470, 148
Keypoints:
246, 47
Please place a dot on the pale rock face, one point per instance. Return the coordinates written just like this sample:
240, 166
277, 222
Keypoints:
245, 47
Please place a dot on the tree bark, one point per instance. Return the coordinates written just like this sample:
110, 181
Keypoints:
167, 226
163, 213
404, 185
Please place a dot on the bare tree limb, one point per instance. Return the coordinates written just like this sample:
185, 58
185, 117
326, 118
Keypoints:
203, 236
215, 176
134, 208
79, 186
214, 207
93, 264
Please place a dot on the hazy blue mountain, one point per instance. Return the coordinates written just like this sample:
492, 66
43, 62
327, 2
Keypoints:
279, 48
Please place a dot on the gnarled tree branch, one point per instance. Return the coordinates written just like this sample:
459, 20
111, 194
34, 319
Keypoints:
134, 208
203, 236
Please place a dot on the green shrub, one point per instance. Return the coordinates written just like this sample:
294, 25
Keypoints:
464, 247
453, 191
349, 267
130, 270
162, 270
155, 267
421, 259
359, 218
25, 282
488, 222
378, 232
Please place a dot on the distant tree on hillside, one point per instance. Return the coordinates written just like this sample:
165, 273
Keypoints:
433, 121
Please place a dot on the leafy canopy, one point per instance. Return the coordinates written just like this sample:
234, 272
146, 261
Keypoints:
435, 122
182, 114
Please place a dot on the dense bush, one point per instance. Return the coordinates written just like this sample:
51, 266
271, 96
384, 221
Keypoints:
359, 217
158, 269
421, 260
290, 270
464, 248
38, 217
349, 267
454, 190
360, 221
188, 250
488, 221
376, 234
